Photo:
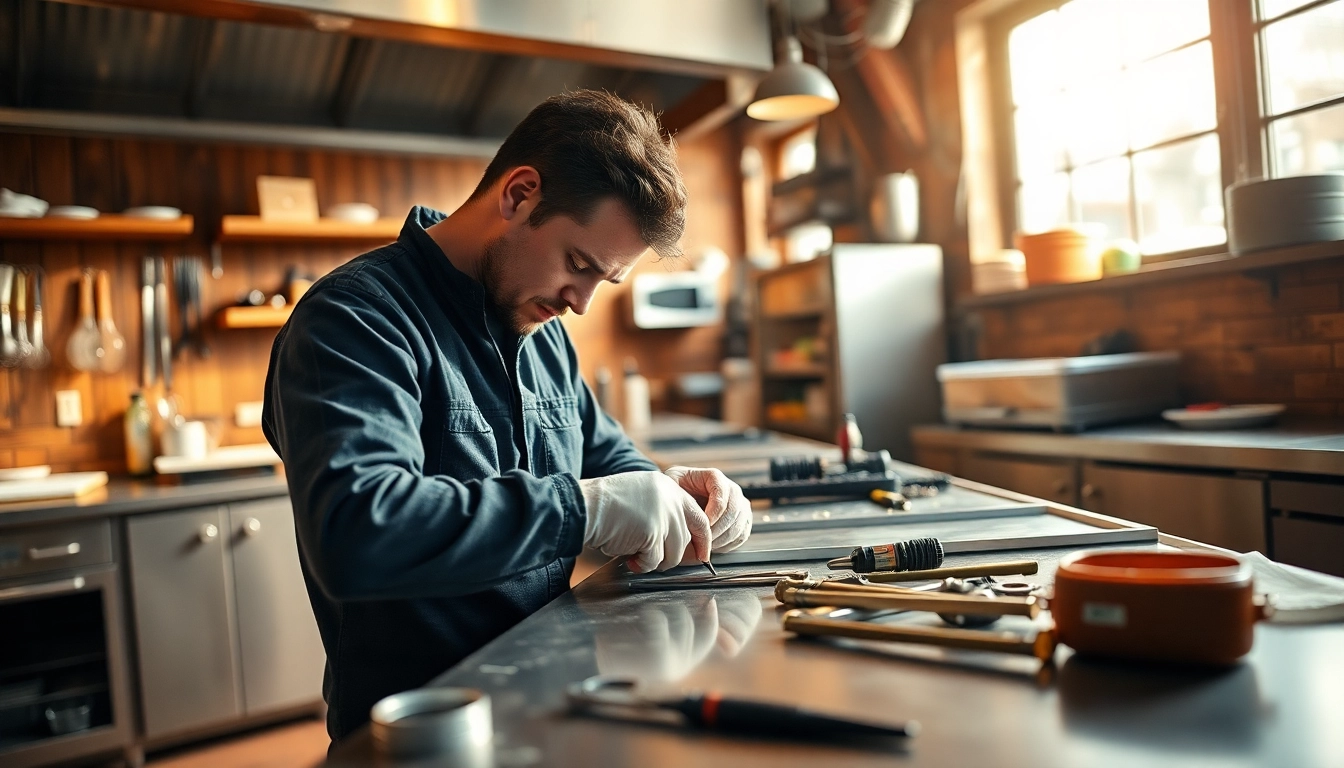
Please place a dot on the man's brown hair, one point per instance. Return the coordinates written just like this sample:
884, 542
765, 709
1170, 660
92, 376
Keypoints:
591, 145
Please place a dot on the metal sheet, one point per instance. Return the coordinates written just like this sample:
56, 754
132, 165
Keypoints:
952, 504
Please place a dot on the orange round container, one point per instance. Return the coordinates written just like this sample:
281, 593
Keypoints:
1060, 256
1166, 606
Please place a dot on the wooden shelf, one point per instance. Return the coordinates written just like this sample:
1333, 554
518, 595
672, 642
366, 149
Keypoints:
254, 229
252, 317
802, 314
106, 227
1166, 271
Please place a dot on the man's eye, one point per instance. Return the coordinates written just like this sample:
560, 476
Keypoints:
575, 266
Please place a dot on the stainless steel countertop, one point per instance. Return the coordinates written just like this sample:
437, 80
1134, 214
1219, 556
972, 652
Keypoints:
127, 496
1278, 707
1310, 447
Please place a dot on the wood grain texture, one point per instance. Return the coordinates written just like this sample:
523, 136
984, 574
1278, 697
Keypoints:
210, 181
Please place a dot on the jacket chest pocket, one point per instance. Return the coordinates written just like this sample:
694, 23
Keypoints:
561, 436
459, 442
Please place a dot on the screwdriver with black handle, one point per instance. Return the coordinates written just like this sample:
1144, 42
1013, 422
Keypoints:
742, 716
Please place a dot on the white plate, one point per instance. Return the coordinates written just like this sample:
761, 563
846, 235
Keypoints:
25, 473
153, 212
1227, 417
72, 212
361, 213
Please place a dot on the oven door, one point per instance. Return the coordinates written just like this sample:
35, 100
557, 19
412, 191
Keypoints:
63, 675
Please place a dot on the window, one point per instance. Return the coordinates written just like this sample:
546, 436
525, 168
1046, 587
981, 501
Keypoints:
1108, 111
1115, 122
1302, 58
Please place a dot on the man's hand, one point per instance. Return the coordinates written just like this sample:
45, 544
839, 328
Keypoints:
728, 510
646, 517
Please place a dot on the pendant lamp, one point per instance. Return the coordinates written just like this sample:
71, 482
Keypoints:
794, 89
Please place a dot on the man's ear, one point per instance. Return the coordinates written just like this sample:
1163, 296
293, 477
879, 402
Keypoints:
520, 193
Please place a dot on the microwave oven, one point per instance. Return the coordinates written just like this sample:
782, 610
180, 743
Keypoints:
674, 300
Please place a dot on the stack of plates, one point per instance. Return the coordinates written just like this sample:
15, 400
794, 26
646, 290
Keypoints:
1064, 255
1268, 213
1006, 273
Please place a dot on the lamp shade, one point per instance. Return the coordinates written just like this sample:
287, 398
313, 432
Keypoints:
793, 89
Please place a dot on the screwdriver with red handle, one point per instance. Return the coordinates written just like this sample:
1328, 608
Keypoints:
715, 712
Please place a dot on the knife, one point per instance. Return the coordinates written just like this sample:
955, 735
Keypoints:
161, 323
147, 340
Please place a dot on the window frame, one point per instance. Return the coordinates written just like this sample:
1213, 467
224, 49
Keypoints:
1239, 98
1261, 62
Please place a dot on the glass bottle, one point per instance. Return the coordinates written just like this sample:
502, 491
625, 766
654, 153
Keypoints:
139, 453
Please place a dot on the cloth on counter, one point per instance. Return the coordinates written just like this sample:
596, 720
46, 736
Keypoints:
21, 206
1300, 596
433, 462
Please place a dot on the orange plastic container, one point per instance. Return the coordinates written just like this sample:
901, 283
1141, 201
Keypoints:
1151, 604
1065, 255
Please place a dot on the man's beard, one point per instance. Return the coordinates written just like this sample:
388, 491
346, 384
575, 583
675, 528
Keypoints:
509, 309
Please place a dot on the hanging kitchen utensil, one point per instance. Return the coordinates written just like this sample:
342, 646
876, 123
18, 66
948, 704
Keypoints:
25, 347
198, 306
114, 346
182, 293
148, 341
41, 355
161, 322
84, 350
9, 348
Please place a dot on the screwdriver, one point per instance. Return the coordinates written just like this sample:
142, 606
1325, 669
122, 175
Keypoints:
889, 499
912, 555
710, 566
710, 710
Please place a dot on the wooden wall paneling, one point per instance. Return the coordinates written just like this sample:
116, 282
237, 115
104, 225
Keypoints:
342, 189
396, 185
369, 184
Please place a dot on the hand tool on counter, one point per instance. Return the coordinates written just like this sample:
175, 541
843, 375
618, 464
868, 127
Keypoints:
710, 567
111, 342
806, 594
618, 698
915, 554
148, 342
40, 355
821, 622
1006, 568
744, 579
889, 499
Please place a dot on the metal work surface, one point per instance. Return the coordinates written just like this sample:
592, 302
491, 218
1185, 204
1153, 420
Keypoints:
951, 503
123, 496
1312, 448
1278, 707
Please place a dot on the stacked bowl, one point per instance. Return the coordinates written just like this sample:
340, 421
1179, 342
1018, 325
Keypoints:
1063, 255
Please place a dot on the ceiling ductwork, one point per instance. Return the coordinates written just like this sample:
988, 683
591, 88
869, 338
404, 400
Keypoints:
421, 76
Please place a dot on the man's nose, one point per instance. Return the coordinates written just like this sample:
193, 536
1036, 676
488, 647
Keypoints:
578, 297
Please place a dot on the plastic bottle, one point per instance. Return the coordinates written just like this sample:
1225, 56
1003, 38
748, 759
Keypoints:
637, 414
139, 453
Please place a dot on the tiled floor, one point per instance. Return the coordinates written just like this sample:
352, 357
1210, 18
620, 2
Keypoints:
298, 744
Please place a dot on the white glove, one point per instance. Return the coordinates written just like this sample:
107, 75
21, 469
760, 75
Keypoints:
646, 517
728, 509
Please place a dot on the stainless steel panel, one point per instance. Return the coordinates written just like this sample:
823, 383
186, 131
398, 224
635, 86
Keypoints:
1315, 544
183, 620
1224, 511
55, 548
889, 323
282, 655
1054, 480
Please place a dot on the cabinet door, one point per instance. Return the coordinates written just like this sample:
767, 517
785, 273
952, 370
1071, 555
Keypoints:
183, 619
282, 656
1224, 511
1042, 478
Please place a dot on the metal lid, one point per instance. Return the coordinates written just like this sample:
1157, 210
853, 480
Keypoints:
450, 723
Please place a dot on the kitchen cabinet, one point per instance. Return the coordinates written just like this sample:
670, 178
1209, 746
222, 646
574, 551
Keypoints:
223, 625
1054, 480
1307, 524
1216, 509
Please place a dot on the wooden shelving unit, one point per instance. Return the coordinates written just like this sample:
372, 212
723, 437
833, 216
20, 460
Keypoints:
252, 317
254, 229
105, 227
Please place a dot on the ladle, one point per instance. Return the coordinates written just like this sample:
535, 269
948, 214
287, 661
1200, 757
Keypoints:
40, 356
9, 348
114, 346
84, 350
25, 347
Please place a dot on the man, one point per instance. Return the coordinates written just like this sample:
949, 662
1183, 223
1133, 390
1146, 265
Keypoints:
445, 458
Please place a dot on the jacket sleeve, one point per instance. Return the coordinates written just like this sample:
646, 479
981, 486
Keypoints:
343, 410
607, 450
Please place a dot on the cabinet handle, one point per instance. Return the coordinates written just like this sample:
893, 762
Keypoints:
1090, 491
251, 526
47, 553
39, 590
207, 532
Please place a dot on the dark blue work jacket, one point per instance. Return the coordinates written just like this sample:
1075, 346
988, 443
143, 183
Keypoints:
433, 462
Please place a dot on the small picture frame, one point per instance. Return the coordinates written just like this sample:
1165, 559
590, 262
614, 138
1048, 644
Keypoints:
287, 198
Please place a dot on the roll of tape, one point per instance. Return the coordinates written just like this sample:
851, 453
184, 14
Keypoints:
444, 722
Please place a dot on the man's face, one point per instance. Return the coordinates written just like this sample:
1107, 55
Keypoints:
535, 274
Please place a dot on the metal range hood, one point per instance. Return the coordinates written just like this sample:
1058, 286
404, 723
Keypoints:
419, 76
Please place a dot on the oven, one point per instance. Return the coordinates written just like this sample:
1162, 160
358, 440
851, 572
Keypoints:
63, 671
